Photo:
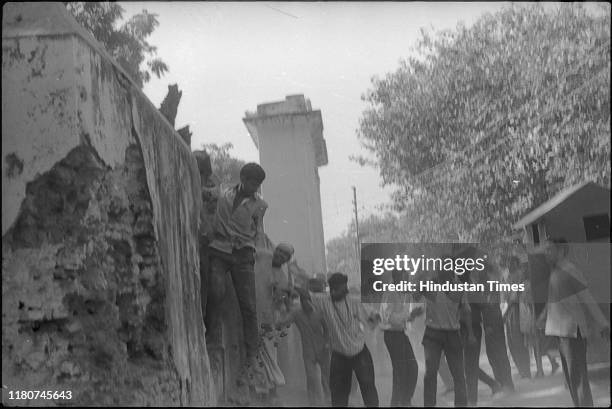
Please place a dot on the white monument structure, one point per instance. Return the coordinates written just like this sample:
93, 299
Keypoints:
289, 137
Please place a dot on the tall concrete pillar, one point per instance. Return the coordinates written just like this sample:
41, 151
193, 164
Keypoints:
289, 136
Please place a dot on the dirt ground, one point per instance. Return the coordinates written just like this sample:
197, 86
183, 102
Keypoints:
537, 392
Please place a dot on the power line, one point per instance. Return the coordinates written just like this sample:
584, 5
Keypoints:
357, 249
280, 11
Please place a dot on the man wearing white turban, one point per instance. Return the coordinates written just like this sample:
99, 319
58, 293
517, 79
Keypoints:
272, 291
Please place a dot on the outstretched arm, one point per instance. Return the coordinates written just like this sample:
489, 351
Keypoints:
416, 312
288, 318
368, 316
302, 293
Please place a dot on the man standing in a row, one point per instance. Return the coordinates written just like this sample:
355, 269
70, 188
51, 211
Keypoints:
344, 318
495, 340
237, 227
442, 334
572, 314
396, 311
512, 319
485, 314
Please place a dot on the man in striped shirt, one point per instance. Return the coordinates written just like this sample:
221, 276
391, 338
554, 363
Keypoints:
345, 319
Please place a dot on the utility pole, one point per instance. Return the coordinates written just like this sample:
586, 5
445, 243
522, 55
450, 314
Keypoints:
358, 252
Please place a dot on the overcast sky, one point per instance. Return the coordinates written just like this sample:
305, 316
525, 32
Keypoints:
229, 57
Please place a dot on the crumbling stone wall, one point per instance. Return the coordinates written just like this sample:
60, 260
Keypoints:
100, 207
83, 292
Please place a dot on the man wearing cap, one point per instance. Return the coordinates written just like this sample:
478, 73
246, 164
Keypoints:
237, 227
345, 318
272, 284
272, 296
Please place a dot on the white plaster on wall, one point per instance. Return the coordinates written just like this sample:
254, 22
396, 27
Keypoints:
38, 114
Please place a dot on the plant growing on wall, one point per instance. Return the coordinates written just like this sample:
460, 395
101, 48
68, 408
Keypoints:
341, 251
127, 43
224, 166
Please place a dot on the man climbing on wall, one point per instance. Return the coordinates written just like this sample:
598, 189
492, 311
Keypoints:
209, 192
273, 303
237, 227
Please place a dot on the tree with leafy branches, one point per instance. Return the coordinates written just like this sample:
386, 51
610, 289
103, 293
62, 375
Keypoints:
341, 254
482, 124
126, 42
224, 165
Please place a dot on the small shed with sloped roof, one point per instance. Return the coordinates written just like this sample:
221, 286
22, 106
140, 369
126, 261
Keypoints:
579, 214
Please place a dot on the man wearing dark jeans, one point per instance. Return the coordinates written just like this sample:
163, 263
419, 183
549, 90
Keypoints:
495, 342
482, 377
237, 227
486, 309
487, 380
340, 377
240, 265
434, 342
471, 355
495, 339
512, 320
471, 350
396, 311
442, 325
344, 317
405, 367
